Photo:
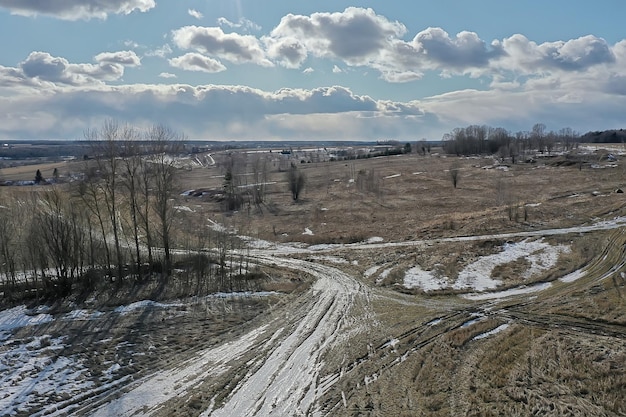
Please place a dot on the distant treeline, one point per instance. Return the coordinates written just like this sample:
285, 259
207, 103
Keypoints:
476, 140
606, 136
43, 150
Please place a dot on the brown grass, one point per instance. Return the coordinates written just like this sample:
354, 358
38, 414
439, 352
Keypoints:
562, 354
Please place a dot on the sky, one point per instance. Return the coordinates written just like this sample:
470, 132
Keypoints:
316, 70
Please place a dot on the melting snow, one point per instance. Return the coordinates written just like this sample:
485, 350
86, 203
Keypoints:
573, 276
371, 271
416, 277
143, 304
19, 317
477, 275
31, 373
492, 332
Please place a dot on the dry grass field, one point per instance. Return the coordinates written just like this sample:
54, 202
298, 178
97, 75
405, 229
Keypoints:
564, 350
410, 351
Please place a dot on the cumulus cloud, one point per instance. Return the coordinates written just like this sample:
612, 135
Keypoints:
578, 54
213, 41
355, 35
194, 13
465, 50
360, 37
194, 61
76, 9
288, 52
45, 67
167, 75
337, 70
126, 58
41, 69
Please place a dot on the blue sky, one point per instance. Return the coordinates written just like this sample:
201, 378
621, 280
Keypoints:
323, 70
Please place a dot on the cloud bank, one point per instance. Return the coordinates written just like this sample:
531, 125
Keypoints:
76, 9
578, 82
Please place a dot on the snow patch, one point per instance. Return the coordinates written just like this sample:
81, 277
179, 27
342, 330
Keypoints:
371, 270
18, 317
142, 305
307, 232
82, 315
477, 275
572, 276
31, 374
492, 332
416, 277
508, 293
541, 255
434, 322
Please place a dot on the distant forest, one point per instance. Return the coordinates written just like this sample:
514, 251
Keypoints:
606, 136
482, 139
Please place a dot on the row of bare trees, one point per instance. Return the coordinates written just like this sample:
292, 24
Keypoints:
119, 219
130, 180
482, 139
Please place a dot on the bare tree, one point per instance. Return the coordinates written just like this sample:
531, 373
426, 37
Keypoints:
165, 145
296, 180
454, 173
9, 243
62, 236
89, 192
106, 147
260, 168
131, 166
145, 204
233, 170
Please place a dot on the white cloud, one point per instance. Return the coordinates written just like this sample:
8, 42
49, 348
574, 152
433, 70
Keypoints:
196, 14
360, 37
243, 23
337, 70
45, 67
127, 58
214, 42
308, 70
42, 70
194, 61
167, 75
466, 50
76, 9
579, 54
355, 35
288, 51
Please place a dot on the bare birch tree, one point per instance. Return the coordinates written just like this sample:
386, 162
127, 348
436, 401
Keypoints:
165, 143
